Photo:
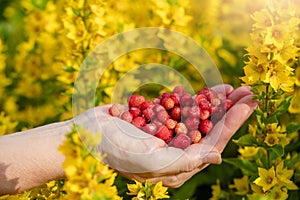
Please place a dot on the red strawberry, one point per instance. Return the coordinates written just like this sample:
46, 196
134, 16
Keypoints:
148, 113
115, 110
209, 93
204, 105
164, 95
186, 99
194, 111
195, 136
167, 102
150, 128
176, 113
204, 114
217, 113
192, 123
162, 116
126, 116
180, 90
164, 133
135, 111
175, 98
180, 128
185, 111
135, 100
146, 104
227, 103
157, 108
200, 98
139, 122
171, 123
205, 126
181, 141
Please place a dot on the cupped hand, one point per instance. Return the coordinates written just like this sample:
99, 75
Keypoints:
140, 156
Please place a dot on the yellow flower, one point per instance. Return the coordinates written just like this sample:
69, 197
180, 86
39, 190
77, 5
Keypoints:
278, 75
279, 193
136, 189
216, 191
284, 175
159, 191
241, 185
266, 179
248, 151
254, 72
271, 139
262, 19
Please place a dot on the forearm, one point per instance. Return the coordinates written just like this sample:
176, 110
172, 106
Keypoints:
31, 158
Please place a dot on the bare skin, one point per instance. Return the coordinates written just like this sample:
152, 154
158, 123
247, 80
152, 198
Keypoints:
30, 158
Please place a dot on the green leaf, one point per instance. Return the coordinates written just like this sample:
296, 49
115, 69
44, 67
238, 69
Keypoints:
272, 119
276, 152
292, 127
68, 69
246, 140
245, 165
283, 106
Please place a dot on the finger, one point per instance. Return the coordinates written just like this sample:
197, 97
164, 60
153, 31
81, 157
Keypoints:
172, 181
223, 88
239, 93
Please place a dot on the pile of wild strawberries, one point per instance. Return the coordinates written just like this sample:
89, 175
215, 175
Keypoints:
178, 118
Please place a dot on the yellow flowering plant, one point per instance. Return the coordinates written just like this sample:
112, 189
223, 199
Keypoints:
268, 157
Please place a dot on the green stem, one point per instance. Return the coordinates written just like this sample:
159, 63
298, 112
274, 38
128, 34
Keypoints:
267, 99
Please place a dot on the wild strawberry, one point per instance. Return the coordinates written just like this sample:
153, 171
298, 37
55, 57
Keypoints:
180, 128
150, 128
186, 99
195, 136
164, 133
227, 103
217, 113
171, 132
157, 108
148, 113
192, 123
164, 95
156, 101
139, 122
181, 141
215, 101
185, 111
209, 93
176, 113
126, 116
135, 100
179, 90
167, 102
115, 110
146, 104
204, 105
135, 111
194, 111
162, 116
175, 97
204, 114
205, 126
171, 123
157, 123
200, 98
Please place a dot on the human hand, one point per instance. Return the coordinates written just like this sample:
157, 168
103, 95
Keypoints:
140, 156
